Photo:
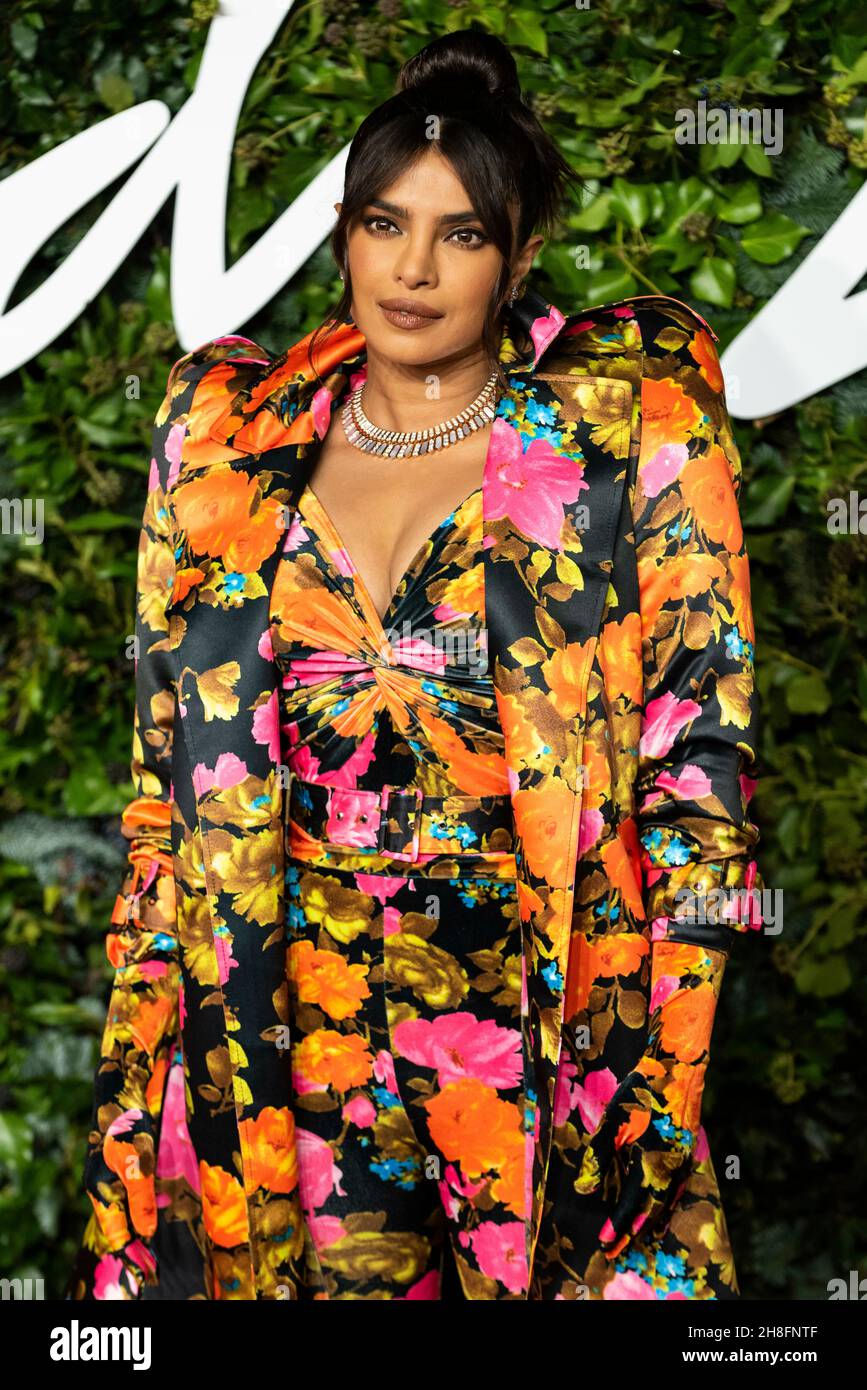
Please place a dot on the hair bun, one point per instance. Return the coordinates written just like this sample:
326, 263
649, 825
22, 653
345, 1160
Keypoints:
468, 63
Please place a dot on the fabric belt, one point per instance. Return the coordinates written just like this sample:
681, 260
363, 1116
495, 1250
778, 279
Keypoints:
400, 822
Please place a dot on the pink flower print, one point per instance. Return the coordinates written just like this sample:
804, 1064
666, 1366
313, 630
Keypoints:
628, 1285
545, 328
360, 1111
592, 1097
663, 989
356, 765
420, 655
123, 1123
341, 560
176, 1157
659, 928
500, 1249
223, 950
566, 1073
304, 765
320, 407
173, 450
380, 886
391, 921
321, 666
227, 772
325, 1230
663, 720
458, 1045
529, 1151
692, 783
110, 1280
748, 786
266, 726
153, 476
318, 1174
353, 817
662, 468
383, 1070
427, 1288
529, 486
464, 1187
592, 823
702, 1148
295, 536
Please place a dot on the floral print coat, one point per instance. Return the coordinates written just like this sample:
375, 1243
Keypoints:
620, 641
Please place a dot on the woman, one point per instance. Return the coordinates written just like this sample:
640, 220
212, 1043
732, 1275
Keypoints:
443, 768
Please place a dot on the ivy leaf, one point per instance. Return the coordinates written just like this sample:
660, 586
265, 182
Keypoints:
807, 694
773, 238
525, 28
745, 204
116, 93
714, 281
629, 203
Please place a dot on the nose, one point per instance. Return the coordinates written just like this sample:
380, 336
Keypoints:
415, 264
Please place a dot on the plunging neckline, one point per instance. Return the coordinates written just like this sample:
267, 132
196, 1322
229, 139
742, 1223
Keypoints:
326, 523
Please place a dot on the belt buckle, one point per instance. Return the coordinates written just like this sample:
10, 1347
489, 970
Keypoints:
385, 796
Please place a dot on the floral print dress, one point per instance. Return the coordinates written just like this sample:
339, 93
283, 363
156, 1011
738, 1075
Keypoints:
404, 975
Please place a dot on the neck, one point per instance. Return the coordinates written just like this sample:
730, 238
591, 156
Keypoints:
399, 397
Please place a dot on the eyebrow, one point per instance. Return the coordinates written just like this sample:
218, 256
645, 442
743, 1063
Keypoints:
404, 212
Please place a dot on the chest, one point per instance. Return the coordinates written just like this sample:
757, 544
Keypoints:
384, 510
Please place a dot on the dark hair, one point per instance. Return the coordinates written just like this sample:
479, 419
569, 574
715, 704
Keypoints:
495, 143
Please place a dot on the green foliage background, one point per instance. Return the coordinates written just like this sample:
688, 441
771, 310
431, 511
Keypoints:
721, 227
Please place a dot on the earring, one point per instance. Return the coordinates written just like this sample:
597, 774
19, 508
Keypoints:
340, 273
514, 294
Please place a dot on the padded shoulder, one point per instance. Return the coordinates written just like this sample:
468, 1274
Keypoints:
626, 329
229, 363
656, 313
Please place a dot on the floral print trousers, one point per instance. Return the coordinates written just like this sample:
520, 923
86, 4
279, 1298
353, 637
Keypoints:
408, 1081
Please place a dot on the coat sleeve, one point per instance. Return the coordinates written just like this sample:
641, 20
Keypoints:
698, 748
142, 1021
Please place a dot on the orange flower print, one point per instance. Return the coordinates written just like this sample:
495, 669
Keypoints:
705, 354
669, 416
510, 1187
333, 1059
684, 576
543, 815
706, 485
327, 979
619, 954
471, 1125
621, 857
224, 1207
687, 1021
566, 675
620, 655
221, 517
739, 596
684, 1094
269, 1146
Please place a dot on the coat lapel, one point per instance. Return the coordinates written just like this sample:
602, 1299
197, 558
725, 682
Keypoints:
552, 492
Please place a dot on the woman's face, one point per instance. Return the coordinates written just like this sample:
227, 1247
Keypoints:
420, 240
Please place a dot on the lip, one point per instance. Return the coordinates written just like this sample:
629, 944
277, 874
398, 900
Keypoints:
409, 313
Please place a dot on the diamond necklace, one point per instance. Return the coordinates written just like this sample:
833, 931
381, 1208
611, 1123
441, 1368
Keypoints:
408, 443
